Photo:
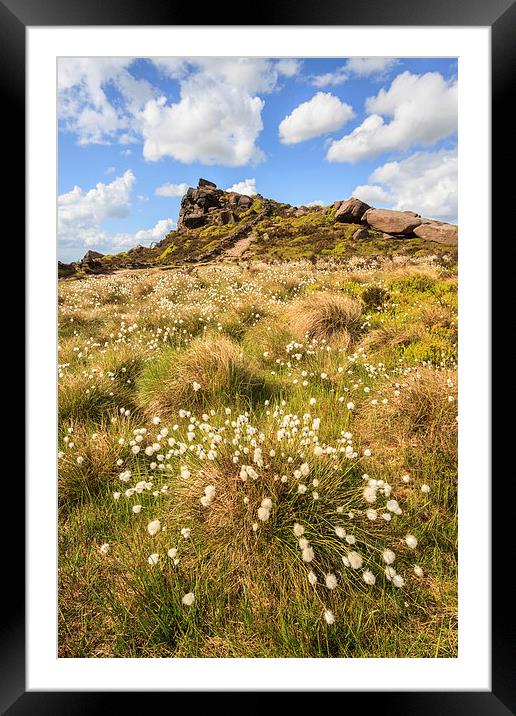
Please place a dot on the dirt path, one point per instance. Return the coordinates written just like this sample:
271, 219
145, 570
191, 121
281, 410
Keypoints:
241, 246
241, 234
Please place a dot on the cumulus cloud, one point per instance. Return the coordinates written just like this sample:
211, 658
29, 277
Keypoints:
422, 109
330, 78
83, 103
372, 194
98, 239
171, 190
375, 67
316, 202
216, 120
212, 123
368, 66
288, 67
79, 209
81, 213
247, 187
425, 182
322, 114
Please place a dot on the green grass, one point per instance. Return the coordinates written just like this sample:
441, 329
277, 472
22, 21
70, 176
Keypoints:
138, 344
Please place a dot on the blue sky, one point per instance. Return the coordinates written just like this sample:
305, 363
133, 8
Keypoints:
134, 132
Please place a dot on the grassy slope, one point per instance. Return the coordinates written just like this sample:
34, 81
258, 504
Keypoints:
279, 237
135, 342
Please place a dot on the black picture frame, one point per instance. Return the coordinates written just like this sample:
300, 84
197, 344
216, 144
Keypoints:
500, 16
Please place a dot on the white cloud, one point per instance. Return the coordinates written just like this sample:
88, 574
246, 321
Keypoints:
147, 236
330, 78
316, 202
376, 67
322, 114
216, 120
108, 242
80, 210
247, 187
372, 194
171, 190
288, 67
213, 123
83, 105
81, 213
367, 66
422, 108
425, 182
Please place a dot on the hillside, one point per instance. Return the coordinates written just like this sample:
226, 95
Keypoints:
215, 225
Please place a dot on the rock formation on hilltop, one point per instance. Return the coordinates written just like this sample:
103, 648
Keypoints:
219, 225
207, 204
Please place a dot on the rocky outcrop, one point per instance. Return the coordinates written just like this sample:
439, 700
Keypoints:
239, 234
91, 256
392, 222
438, 231
351, 211
208, 205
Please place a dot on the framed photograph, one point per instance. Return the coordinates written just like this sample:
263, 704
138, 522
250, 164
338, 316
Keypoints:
259, 354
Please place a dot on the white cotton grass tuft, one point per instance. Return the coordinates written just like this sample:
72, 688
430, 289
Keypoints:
154, 527
188, 599
307, 554
312, 578
388, 556
355, 560
104, 548
411, 541
331, 581
340, 532
329, 617
263, 514
368, 577
298, 529
153, 558
209, 495
418, 571
390, 572
398, 581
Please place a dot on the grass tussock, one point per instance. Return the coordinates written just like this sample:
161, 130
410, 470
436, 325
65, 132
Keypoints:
210, 367
328, 317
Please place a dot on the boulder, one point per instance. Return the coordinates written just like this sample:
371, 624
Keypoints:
360, 234
437, 231
91, 256
232, 198
392, 222
351, 211
193, 219
244, 201
206, 183
226, 217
